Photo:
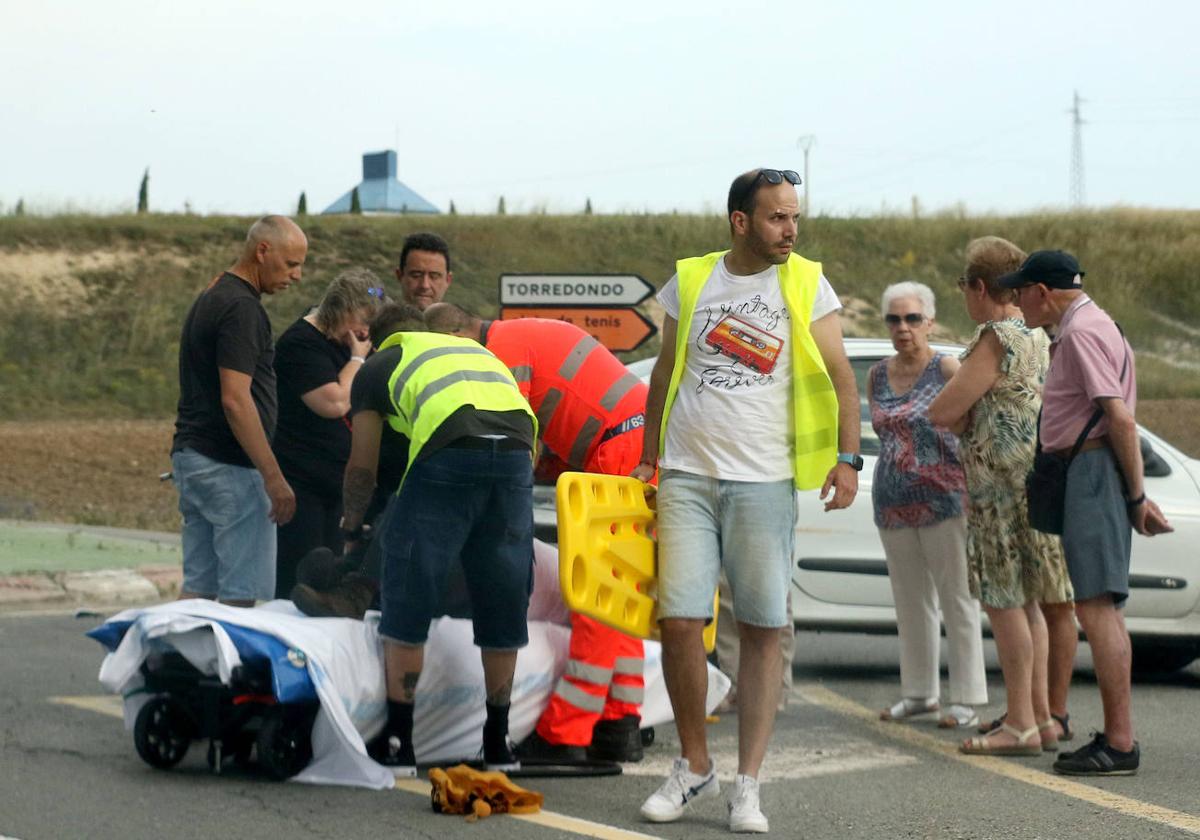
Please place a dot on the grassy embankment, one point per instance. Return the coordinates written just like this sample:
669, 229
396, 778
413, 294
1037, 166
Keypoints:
92, 308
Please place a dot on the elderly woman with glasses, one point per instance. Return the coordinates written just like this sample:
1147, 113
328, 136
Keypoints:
919, 496
1017, 573
316, 359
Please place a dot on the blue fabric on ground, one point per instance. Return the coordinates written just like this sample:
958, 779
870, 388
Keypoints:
290, 680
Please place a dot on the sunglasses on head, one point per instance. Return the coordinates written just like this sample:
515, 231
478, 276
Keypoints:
912, 319
778, 176
376, 292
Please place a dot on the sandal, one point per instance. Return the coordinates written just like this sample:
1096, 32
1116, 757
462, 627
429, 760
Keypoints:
1026, 743
958, 715
1052, 725
910, 707
1064, 720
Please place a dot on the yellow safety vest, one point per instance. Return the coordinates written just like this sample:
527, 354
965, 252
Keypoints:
814, 402
439, 374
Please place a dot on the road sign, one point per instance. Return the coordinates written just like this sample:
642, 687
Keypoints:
573, 290
617, 328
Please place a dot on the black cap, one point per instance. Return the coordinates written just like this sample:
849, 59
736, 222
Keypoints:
1053, 269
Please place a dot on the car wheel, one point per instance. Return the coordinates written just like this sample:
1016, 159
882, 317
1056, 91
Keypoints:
1155, 657
162, 733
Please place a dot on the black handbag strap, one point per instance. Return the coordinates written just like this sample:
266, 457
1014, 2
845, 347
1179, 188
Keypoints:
1095, 418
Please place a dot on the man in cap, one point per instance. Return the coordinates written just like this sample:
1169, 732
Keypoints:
1091, 382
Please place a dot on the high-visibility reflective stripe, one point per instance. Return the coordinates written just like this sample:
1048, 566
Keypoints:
617, 391
522, 373
583, 441
574, 360
579, 698
591, 673
546, 409
626, 693
432, 353
454, 378
628, 665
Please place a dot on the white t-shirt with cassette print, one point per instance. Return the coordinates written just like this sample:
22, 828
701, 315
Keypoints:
732, 416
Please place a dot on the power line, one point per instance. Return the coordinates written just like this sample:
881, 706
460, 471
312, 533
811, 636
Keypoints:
1076, 196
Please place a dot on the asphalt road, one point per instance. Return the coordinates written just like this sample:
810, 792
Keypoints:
833, 772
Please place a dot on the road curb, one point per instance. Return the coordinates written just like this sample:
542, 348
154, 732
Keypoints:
142, 585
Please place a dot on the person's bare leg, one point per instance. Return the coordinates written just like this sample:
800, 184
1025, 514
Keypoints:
1063, 637
685, 671
758, 695
402, 667
1015, 648
1104, 627
498, 669
1037, 686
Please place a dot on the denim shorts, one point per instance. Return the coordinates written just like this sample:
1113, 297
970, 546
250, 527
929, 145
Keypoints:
228, 536
473, 506
709, 524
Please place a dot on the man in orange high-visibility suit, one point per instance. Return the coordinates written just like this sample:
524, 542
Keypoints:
590, 412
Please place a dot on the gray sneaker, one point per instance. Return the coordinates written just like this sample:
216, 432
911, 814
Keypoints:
681, 788
745, 816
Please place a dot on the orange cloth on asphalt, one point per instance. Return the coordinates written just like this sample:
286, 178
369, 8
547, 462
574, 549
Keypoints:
479, 793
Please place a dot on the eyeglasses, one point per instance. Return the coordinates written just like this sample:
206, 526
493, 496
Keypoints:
913, 319
778, 176
376, 292
963, 282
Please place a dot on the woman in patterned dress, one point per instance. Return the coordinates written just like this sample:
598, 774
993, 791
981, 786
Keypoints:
919, 496
992, 403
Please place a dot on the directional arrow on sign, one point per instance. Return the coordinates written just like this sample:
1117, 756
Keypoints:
618, 329
573, 290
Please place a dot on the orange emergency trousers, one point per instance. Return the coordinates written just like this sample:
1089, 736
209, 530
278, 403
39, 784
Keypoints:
603, 679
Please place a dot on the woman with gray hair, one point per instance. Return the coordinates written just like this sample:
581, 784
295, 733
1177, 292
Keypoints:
919, 496
316, 360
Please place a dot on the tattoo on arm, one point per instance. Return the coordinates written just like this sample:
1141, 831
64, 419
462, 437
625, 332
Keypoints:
357, 488
502, 695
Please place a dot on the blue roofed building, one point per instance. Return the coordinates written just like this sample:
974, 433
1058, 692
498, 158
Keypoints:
380, 191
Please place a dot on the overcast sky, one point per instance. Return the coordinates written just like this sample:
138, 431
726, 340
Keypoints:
237, 106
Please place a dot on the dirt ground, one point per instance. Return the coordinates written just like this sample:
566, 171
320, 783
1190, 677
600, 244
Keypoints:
105, 472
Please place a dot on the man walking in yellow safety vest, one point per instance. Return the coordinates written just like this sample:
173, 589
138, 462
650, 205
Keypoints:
752, 395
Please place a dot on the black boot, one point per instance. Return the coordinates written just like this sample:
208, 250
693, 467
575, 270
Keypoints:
350, 598
616, 740
537, 750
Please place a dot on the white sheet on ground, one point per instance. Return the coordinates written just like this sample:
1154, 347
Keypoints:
344, 661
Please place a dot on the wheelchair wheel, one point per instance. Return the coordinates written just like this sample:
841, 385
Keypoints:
647, 736
284, 744
162, 733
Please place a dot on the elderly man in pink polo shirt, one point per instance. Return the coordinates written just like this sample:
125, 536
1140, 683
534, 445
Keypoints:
1091, 392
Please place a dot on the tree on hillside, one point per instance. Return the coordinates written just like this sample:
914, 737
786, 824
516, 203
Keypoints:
302, 207
453, 209
19, 210
355, 204
144, 193
500, 211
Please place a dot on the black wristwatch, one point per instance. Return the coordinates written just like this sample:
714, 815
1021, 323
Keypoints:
852, 458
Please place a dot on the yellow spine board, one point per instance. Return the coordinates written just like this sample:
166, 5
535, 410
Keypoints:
607, 558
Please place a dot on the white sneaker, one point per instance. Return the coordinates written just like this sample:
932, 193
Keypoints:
745, 817
681, 788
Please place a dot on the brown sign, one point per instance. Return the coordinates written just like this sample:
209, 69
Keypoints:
617, 328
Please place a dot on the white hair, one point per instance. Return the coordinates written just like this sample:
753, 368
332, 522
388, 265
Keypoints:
910, 289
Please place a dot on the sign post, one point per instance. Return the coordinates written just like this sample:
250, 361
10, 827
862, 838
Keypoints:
599, 304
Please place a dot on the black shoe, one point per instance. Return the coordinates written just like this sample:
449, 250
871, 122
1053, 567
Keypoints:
350, 598
498, 756
1097, 758
394, 754
616, 740
538, 750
